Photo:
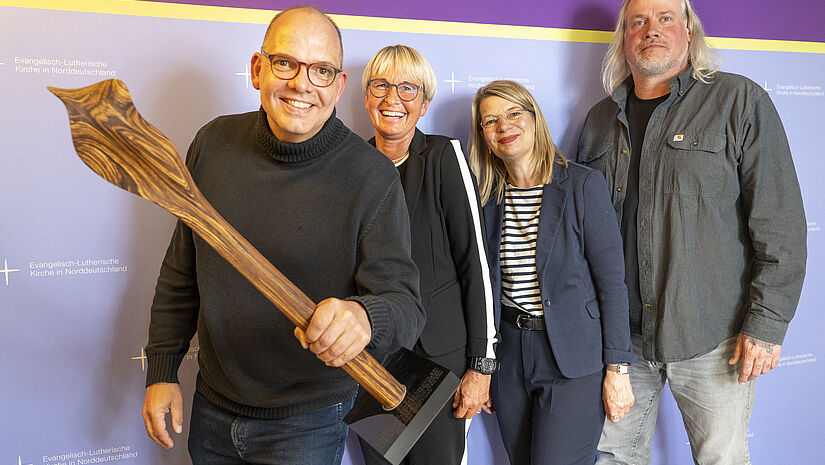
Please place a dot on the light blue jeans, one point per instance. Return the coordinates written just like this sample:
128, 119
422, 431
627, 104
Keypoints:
715, 408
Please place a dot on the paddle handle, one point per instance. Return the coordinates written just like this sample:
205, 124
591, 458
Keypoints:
293, 303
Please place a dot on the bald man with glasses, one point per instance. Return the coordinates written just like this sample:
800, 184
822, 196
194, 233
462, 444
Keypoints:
328, 210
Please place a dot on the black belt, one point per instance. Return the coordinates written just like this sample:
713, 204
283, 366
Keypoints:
523, 320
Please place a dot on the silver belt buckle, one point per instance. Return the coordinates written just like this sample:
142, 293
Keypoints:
526, 320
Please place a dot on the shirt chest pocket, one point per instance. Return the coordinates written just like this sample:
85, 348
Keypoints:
601, 158
694, 164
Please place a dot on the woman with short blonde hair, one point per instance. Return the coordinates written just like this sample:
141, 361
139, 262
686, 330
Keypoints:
447, 246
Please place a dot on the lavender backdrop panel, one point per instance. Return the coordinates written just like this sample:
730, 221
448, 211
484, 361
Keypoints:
80, 256
774, 19
72, 321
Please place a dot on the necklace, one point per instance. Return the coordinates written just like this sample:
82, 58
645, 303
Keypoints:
397, 162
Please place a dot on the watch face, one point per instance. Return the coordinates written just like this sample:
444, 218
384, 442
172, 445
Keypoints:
624, 369
485, 365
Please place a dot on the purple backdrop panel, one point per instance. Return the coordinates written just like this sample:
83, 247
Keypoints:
730, 18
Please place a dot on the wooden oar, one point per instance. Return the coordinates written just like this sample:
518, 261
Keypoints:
118, 144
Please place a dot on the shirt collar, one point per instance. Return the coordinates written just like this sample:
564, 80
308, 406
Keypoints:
330, 137
679, 84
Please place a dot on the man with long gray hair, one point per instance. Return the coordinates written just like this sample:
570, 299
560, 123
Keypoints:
705, 191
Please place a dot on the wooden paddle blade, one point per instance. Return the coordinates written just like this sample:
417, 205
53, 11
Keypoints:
114, 140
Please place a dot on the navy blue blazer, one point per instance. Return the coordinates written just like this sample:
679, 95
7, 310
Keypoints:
580, 269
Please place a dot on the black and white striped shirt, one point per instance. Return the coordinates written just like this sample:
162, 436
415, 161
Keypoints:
519, 281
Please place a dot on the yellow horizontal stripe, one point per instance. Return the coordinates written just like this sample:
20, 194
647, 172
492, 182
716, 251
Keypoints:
152, 9
768, 45
368, 23
420, 26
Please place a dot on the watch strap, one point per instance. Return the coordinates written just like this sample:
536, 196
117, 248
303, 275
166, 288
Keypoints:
620, 368
483, 365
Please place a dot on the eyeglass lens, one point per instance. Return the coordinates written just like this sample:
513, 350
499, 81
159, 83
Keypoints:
491, 122
380, 88
319, 74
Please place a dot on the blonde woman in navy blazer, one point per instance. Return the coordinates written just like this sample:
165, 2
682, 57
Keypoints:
565, 337
447, 245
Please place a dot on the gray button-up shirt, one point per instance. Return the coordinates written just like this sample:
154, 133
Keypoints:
721, 228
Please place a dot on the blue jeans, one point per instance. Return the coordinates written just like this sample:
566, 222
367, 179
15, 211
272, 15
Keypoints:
715, 408
220, 437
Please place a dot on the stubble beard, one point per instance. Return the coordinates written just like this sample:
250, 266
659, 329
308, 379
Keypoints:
649, 64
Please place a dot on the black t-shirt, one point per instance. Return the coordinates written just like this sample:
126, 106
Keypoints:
638, 115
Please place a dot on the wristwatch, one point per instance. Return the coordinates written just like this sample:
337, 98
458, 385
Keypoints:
483, 365
620, 368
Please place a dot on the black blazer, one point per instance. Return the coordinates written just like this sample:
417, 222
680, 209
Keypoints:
448, 248
580, 269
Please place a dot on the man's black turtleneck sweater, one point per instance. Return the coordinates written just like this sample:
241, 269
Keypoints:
329, 213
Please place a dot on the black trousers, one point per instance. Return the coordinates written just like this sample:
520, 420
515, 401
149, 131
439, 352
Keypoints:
544, 417
444, 440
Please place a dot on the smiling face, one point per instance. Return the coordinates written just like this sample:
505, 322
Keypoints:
296, 109
512, 142
393, 118
656, 38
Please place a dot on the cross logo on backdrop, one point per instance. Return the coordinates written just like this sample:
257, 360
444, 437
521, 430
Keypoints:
452, 82
247, 76
6, 271
142, 358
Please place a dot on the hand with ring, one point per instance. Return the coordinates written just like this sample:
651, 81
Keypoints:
472, 395
617, 395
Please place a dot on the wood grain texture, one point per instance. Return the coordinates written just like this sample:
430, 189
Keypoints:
114, 140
